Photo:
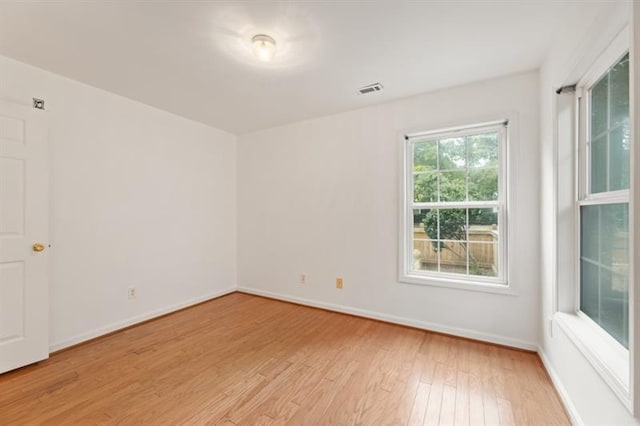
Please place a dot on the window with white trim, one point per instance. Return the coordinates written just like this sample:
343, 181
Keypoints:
455, 205
593, 221
603, 201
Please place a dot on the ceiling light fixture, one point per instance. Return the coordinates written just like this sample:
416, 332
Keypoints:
264, 47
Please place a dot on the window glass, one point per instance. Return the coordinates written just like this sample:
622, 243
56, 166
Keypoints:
453, 186
483, 184
599, 164
599, 110
604, 267
609, 141
619, 159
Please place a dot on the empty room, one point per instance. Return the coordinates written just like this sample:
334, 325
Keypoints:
320, 212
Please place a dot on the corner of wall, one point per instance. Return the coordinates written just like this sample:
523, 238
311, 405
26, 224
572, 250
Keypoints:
574, 416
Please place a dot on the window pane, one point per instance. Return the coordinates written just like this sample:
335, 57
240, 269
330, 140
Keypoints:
453, 240
453, 257
485, 220
419, 216
604, 266
599, 110
483, 257
483, 184
614, 236
599, 164
425, 256
619, 93
425, 156
590, 234
614, 305
589, 291
619, 159
453, 224
452, 153
483, 150
427, 219
453, 186
425, 187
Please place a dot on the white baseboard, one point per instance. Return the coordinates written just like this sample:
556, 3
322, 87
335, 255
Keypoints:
79, 338
564, 396
440, 328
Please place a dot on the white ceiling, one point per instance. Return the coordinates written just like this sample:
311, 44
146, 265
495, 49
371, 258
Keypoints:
193, 58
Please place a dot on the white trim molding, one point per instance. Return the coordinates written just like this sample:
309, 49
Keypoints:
507, 129
574, 416
83, 337
423, 325
607, 356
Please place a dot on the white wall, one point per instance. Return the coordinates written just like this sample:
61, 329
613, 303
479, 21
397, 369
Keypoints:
635, 199
321, 197
586, 395
139, 197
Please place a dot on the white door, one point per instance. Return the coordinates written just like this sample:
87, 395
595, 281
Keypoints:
24, 215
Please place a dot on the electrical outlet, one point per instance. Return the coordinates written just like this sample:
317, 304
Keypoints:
302, 279
132, 292
339, 282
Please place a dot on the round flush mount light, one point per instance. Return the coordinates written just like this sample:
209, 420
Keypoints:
264, 47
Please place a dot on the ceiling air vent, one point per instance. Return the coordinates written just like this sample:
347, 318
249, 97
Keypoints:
375, 87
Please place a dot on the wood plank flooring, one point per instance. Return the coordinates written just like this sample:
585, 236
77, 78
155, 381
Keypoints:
242, 359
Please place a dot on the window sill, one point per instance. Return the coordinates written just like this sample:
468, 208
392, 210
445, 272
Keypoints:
452, 283
608, 357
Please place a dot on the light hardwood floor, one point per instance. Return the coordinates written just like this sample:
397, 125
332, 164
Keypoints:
242, 359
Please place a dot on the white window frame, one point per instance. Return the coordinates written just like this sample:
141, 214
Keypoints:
608, 356
498, 284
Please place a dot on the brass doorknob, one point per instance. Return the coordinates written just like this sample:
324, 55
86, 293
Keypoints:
37, 247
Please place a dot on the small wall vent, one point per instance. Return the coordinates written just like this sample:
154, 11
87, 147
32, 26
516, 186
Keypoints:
375, 87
